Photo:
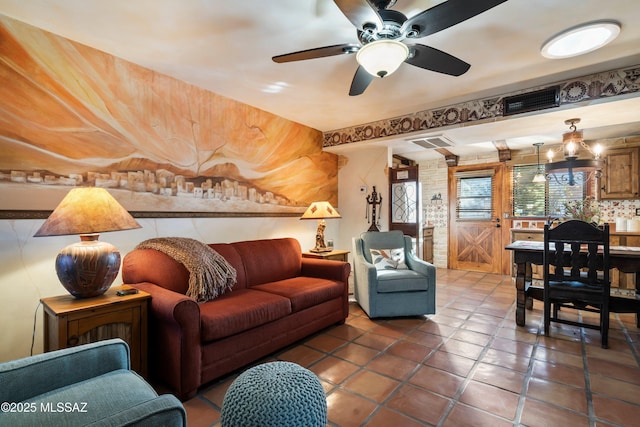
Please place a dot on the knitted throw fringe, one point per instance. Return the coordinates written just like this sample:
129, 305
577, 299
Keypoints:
210, 274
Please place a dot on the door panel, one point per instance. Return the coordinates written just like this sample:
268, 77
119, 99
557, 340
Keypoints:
404, 200
475, 230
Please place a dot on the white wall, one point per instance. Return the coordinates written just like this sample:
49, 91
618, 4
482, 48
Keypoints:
357, 167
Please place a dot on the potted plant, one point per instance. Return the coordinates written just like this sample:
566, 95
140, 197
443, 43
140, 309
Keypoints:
587, 210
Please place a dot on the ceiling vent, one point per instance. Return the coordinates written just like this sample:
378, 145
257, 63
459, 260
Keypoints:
532, 101
432, 142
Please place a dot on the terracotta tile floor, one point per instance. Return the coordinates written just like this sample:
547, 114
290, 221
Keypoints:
468, 365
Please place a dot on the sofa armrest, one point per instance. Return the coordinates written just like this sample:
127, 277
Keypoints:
34, 375
326, 269
174, 339
331, 270
165, 410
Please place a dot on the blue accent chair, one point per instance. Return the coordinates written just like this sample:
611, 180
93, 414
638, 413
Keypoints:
392, 292
91, 384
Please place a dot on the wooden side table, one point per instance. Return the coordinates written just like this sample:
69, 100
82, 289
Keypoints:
427, 244
336, 255
69, 321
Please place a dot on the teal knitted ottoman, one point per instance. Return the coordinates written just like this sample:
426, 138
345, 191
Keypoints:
275, 394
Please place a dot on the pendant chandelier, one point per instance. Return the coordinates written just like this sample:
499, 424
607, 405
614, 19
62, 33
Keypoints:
540, 175
563, 171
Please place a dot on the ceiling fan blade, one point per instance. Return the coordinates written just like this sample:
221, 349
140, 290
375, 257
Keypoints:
361, 81
318, 52
359, 12
446, 15
436, 60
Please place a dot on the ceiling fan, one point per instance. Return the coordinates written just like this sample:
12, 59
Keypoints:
382, 31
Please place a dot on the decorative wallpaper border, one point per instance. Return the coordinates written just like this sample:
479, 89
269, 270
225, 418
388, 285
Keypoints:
607, 84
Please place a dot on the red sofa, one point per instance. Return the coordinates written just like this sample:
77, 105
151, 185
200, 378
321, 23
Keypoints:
278, 299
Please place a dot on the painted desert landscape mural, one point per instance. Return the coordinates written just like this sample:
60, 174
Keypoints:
71, 115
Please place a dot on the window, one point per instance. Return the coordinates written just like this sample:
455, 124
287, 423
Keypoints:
533, 199
475, 195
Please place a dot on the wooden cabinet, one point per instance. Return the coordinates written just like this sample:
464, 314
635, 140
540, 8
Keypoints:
70, 321
620, 178
336, 255
427, 244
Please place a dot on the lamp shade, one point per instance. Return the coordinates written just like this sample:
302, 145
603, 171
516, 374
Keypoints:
87, 210
89, 267
320, 210
382, 57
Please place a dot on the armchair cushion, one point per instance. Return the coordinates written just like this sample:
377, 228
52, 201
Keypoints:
401, 281
388, 259
380, 240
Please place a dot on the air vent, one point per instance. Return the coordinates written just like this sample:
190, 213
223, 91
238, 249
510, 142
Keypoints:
431, 142
532, 101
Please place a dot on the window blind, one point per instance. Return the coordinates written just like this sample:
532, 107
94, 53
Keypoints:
475, 190
544, 199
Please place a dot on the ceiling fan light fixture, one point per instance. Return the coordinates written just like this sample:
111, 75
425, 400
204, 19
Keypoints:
382, 57
580, 39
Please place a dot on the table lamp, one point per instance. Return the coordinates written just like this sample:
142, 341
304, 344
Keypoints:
87, 268
320, 211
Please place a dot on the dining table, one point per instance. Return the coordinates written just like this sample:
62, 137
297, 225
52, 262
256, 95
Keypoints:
527, 253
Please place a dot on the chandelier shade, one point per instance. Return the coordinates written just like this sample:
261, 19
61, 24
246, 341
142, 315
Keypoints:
540, 176
382, 57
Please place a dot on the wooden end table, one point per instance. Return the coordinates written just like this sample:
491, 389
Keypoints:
70, 321
335, 255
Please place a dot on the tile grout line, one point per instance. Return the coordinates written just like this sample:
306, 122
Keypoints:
587, 378
456, 398
527, 379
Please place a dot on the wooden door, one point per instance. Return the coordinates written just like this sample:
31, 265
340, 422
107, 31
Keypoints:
404, 201
475, 227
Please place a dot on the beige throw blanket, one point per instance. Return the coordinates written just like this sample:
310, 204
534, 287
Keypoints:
210, 274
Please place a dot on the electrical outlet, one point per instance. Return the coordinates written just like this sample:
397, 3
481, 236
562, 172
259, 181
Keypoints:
363, 188
637, 211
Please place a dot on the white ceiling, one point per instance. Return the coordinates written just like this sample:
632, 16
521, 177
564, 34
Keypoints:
226, 47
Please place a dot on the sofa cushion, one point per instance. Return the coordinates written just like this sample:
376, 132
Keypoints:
304, 292
239, 311
267, 261
401, 281
228, 252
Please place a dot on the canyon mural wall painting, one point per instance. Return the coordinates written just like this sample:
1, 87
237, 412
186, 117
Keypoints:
72, 115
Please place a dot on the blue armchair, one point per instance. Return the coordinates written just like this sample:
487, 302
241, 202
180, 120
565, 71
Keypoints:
77, 386
389, 279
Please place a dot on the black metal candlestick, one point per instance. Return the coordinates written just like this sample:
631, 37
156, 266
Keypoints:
373, 200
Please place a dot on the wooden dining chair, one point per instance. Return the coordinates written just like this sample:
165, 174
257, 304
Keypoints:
576, 273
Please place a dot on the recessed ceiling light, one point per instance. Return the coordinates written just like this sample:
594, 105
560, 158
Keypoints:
580, 39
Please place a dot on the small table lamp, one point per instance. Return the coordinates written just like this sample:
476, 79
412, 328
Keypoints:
320, 211
87, 268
